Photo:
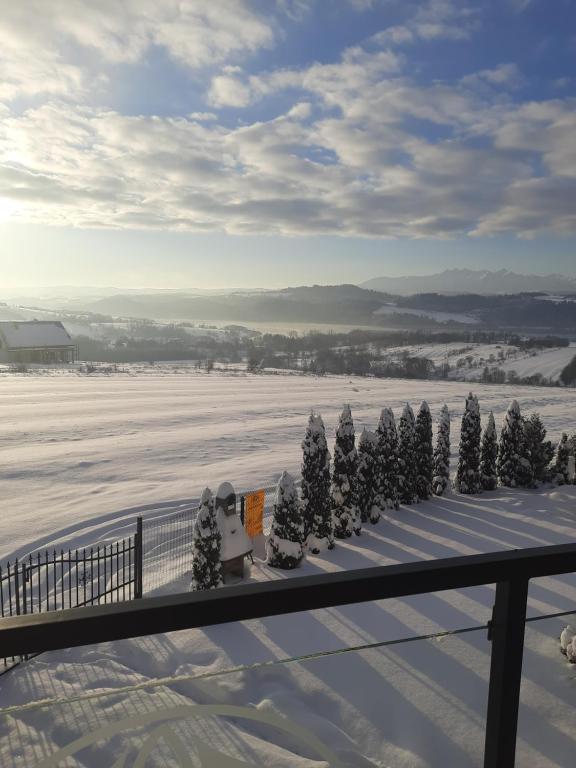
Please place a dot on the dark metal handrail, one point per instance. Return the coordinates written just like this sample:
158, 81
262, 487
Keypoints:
510, 570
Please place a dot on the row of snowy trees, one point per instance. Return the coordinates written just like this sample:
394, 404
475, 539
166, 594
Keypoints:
522, 458
391, 465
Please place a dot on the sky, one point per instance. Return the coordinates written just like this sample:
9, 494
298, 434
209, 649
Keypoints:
262, 143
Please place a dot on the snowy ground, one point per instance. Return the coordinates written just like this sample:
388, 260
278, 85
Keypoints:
548, 362
75, 452
74, 449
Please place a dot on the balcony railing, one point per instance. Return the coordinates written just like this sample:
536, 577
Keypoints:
511, 571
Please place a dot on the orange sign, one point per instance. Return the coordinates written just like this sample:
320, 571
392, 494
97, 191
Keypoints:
254, 513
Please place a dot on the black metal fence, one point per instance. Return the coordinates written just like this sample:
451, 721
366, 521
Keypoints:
53, 581
511, 571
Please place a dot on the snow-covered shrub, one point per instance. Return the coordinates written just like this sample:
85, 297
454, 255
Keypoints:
386, 480
316, 506
538, 451
423, 452
489, 456
568, 644
561, 468
343, 490
407, 457
367, 459
468, 472
206, 541
512, 465
441, 477
284, 548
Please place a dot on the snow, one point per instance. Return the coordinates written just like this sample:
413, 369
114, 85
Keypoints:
235, 542
78, 455
547, 362
81, 456
440, 317
34, 334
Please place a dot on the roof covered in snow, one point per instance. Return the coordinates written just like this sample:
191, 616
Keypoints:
35, 333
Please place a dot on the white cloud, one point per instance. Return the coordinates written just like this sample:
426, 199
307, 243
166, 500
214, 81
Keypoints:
38, 39
348, 155
227, 91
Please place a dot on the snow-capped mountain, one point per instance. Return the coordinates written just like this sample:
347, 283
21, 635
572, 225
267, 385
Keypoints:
473, 281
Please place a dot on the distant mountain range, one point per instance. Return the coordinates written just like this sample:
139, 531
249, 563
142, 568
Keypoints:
473, 281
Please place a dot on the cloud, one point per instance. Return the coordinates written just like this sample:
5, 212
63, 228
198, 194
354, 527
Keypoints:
433, 20
42, 43
358, 147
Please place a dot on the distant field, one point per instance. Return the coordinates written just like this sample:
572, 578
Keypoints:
74, 448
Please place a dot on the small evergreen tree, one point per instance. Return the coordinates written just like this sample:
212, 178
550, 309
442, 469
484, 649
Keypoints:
316, 506
441, 477
561, 469
344, 492
407, 457
284, 548
367, 460
468, 472
386, 480
206, 542
489, 456
538, 451
511, 452
424, 452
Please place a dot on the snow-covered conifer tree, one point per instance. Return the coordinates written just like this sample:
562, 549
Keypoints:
441, 478
561, 469
489, 456
511, 464
407, 457
316, 506
538, 451
386, 480
367, 459
206, 541
424, 452
468, 471
343, 491
284, 548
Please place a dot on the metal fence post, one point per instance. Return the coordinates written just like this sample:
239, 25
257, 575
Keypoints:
242, 508
17, 587
138, 557
507, 635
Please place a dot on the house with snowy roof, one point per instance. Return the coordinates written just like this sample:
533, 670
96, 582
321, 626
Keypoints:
35, 341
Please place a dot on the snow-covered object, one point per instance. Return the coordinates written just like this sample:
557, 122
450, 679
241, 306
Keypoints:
441, 478
566, 637
489, 455
367, 459
343, 491
511, 464
206, 547
316, 504
561, 469
284, 548
406, 457
468, 472
386, 479
538, 451
235, 540
423, 452
35, 333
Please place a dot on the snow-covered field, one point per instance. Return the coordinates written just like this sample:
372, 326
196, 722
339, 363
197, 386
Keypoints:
548, 362
77, 452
